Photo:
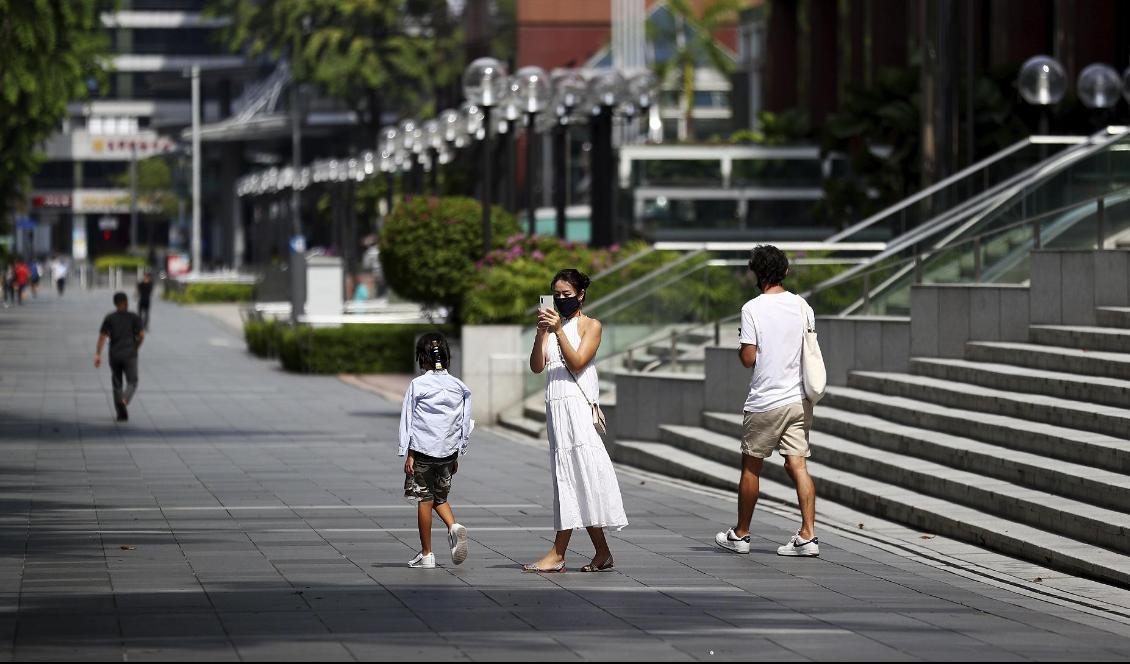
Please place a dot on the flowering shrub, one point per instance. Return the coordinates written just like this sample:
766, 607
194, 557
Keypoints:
510, 278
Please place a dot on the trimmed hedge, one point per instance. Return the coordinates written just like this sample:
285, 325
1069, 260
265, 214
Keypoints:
119, 260
203, 293
353, 348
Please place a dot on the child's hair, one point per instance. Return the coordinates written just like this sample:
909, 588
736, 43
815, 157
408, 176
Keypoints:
432, 351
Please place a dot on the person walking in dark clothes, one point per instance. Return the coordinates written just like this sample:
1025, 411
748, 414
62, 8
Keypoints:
144, 293
125, 332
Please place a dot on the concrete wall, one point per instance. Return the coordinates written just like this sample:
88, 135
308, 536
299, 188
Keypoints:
863, 343
944, 317
1067, 285
646, 400
494, 368
727, 381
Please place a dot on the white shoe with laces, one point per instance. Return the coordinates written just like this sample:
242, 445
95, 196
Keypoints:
731, 542
797, 546
457, 537
423, 562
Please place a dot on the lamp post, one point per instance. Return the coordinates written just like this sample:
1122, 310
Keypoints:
642, 88
530, 89
606, 90
569, 90
388, 163
484, 85
408, 130
433, 141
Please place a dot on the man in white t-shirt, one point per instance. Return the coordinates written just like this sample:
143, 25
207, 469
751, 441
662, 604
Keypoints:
777, 416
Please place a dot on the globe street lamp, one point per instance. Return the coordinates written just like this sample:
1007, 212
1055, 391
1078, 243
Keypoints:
484, 85
1099, 86
642, 88
606, 90
531, 91
569, 89
1042, 82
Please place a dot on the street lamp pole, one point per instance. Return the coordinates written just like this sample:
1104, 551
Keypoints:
196, 225
484, 84
569, 90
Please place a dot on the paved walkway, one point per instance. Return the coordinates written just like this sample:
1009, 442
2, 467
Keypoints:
248, 513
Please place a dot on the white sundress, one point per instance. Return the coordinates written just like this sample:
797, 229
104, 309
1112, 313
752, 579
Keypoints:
585, 490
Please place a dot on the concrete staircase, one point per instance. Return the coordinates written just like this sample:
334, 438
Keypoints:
1019, 443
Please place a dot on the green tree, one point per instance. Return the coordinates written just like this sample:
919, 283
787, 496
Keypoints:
692, 33
155, 193
49, 55
376, 55
430, 246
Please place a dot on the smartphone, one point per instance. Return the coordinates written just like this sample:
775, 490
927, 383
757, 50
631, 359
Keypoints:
545, 302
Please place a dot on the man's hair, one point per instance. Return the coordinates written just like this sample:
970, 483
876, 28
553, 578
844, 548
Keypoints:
120, 298
769, 264
432, 349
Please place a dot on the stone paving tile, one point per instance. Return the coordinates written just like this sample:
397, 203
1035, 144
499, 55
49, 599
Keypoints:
263, 519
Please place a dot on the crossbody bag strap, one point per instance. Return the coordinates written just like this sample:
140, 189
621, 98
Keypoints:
577, 382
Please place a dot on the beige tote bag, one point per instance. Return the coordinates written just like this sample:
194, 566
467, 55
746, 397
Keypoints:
812, 370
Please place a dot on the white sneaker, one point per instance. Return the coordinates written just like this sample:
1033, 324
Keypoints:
423, 562
731, 542
457, 537
799, 547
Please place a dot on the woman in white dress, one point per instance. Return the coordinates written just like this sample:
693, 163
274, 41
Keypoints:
585, 491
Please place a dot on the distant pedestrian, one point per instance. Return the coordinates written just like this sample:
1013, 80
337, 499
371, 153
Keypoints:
585, 491
435, 428
144, 293
35, 268
8, 281
777, 415
23, 278
125, 333
59, 270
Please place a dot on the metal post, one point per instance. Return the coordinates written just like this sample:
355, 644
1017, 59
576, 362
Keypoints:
487, 180
917, 266
1100, 222
977, 259
531, 176
560, 180
196, 212
866, 291
674, 350
434, 157
717, 333
1036, 234
631, 362
133, 195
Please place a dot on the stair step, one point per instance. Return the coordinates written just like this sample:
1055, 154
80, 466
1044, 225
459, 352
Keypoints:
1078, 481
1064, 516
897, 504
1051, 358
523, 425
1113, 339
1075, 387
1113, 316
533, 413
1046, 440
1108, 420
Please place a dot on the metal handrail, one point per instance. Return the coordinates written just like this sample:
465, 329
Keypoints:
998, 193
960, 175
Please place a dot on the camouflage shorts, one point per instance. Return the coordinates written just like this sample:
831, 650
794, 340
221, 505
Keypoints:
431, 479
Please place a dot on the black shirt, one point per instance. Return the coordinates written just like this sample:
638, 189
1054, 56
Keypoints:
144, 290
122, 327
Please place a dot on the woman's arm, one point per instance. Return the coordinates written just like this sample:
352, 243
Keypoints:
577, 358
537, 354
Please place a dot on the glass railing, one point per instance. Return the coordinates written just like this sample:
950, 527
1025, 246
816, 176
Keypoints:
960, 190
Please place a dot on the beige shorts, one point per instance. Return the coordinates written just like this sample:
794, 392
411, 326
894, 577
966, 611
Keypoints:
785, 429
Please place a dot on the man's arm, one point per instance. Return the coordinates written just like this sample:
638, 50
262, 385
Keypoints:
102, 337
748, 354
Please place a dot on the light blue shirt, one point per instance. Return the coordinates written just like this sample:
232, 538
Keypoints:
436, 416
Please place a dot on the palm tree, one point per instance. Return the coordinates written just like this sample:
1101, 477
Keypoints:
692, 34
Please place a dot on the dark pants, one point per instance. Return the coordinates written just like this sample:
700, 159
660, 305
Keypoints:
128, 368
61, 284
143, 311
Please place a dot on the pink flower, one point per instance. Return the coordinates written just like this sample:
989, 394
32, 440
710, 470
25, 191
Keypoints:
537, 255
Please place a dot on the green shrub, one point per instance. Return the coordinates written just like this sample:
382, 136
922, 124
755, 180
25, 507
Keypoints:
429, 247
203, 293
351, 348
263, 337
119, 260
508, 281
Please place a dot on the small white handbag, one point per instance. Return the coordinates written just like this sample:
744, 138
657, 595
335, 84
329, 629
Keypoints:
812, 370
